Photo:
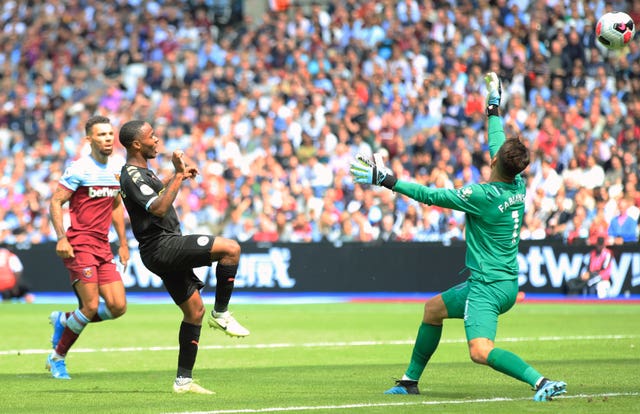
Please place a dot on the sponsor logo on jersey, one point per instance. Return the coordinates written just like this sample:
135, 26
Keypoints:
146, 190
202, 240
98, 192
464, 193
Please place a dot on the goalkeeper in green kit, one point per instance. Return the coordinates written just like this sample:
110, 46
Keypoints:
494, 214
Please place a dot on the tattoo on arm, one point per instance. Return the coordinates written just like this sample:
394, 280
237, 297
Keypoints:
60, 196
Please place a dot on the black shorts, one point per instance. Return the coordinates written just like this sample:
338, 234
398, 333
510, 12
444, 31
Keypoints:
173, 259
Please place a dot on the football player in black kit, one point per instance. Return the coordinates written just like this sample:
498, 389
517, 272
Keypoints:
169, 254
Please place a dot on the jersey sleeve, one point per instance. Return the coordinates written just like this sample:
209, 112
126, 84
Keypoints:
15, 264
135, 187
495, 134
72, 176
470, 199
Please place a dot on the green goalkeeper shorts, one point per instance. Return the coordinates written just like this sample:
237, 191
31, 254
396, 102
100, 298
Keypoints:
480, 303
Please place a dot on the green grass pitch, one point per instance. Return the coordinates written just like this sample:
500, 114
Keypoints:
321, 358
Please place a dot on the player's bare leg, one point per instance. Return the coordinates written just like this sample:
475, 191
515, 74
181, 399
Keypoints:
115, 301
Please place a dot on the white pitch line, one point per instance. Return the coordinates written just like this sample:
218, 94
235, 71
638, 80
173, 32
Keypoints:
314, 344
396, 404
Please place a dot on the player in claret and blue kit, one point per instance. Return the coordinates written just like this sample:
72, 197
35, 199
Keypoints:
494, 214
90, 185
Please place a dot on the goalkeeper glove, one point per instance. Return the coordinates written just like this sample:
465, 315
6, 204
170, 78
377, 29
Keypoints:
494, 93
364, 171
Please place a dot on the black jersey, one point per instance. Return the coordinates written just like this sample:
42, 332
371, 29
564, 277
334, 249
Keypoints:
140, 187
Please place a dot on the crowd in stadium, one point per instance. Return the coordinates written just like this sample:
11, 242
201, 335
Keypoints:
274, 109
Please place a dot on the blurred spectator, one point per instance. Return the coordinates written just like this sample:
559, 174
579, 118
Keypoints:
266, 231
572, 177
623, 228
284, 228
599, 225
302, 229
597, 277
533, 229
246, 231
556, 223
576, 231
547, 178
592, 174
387, 230
12, 286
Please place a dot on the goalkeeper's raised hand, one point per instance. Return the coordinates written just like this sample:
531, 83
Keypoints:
494, 93
365, 171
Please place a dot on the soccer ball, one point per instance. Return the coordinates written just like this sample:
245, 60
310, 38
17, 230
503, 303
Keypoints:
615, 30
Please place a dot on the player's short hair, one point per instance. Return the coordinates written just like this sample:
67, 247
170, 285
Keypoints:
513, 157
95, 120
129, 132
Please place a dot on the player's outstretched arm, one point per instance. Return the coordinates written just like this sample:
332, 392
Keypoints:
495, 130
365, 171
494, 93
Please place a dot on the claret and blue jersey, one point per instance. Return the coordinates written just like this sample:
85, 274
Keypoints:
94, 186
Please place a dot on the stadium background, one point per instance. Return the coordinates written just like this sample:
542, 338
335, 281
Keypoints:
576, 105
395, 268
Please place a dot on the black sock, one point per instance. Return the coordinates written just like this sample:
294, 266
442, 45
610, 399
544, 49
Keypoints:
225, 276
188, 339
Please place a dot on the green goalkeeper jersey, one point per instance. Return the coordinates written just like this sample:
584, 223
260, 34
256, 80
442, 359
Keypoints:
494, 214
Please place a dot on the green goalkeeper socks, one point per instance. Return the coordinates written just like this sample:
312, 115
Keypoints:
512, 365
426, 343
501, 360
